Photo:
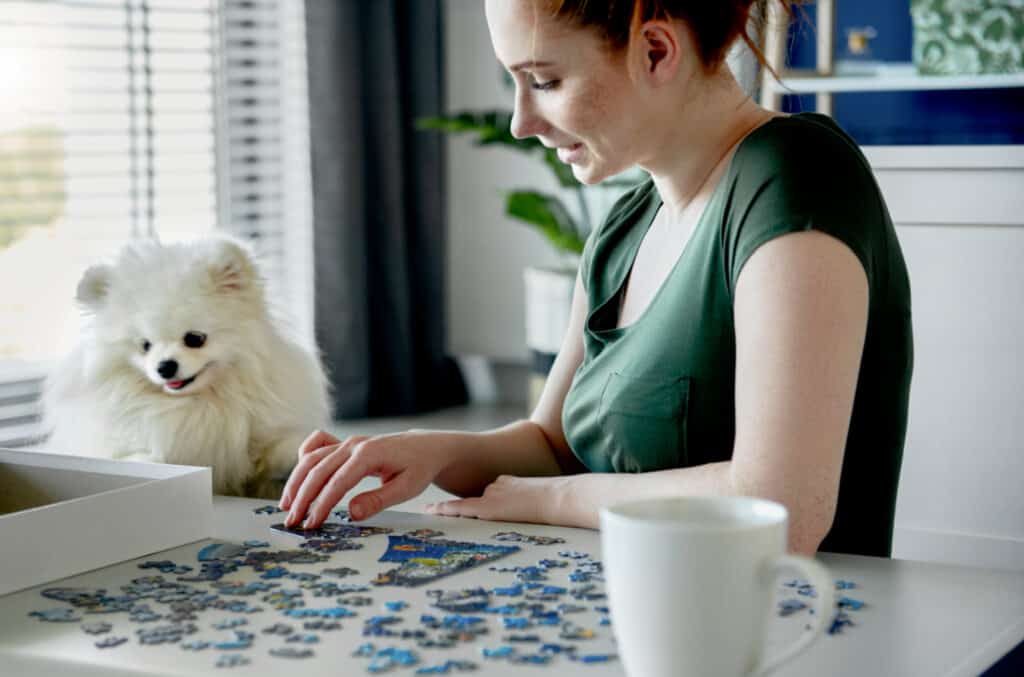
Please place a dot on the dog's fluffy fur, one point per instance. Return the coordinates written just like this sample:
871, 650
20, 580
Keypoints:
256, 393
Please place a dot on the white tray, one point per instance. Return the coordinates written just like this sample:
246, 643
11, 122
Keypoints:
62, 515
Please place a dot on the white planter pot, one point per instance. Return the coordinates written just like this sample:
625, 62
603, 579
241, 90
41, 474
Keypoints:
548, 305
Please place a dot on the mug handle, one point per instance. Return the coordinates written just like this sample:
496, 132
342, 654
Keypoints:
818, 576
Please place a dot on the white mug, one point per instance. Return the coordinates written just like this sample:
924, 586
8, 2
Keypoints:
690, 584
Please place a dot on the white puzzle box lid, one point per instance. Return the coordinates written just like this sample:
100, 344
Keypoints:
62, 515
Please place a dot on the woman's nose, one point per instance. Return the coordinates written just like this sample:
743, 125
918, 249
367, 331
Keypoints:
525, 121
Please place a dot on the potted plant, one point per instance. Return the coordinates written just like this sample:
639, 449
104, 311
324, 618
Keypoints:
548, 289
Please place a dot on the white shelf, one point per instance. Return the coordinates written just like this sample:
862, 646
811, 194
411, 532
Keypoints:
891, 82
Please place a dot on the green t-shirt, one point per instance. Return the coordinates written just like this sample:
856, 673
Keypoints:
658, 393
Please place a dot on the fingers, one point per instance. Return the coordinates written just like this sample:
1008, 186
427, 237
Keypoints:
316, 486
298, 474
310, 474
359, 465
463, 507
369, 503
317, 439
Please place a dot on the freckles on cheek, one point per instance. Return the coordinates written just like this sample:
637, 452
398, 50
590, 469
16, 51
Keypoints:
589, 115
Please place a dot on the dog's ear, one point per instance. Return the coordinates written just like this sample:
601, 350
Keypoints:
231, 267
94, 286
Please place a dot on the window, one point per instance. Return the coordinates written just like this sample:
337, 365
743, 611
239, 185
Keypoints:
139, 118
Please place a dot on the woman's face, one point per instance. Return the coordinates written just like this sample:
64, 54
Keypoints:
571, 92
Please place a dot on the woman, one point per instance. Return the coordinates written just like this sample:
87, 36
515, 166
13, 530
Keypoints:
741, 322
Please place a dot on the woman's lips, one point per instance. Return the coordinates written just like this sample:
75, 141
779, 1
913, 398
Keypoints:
570, 154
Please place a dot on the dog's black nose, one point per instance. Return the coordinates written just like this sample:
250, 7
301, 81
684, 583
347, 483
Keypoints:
167, 368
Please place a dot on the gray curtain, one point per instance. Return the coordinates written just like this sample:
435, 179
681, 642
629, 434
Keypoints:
378, 205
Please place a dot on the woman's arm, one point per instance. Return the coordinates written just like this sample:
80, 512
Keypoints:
461, 463
800, 312
530, 448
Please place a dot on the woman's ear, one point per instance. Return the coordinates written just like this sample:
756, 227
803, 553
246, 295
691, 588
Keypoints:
660, 45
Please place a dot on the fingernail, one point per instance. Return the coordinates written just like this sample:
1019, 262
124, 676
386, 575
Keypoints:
356, 512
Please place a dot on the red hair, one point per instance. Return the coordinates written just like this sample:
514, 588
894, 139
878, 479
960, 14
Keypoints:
716, 24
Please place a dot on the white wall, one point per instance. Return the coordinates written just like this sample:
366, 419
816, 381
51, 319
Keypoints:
487, 251
960, 217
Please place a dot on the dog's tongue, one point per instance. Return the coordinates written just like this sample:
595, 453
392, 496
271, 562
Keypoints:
175, 384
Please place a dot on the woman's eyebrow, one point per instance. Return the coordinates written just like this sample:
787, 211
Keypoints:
529, 64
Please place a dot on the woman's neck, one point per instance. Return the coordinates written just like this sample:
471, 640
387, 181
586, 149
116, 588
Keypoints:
700, 133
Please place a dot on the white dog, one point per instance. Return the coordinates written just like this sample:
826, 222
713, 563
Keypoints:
181, 361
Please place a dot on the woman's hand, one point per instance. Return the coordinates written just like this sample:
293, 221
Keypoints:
513, 499
328, 468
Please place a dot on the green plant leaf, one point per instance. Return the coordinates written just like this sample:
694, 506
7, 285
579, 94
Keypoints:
490, 127
495, 127
548, 215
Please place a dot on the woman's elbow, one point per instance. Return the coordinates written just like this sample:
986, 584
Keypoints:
806, 533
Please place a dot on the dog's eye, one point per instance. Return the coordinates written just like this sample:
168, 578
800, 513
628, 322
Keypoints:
194, 339
145, 345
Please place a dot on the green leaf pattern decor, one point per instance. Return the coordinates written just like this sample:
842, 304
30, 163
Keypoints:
967, 37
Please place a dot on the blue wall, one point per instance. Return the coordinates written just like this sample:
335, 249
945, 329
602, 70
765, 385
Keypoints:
981, 116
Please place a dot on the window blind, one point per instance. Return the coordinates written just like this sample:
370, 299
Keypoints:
129, 118
107, 132
266, 187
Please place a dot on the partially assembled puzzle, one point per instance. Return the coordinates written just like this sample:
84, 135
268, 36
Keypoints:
532, 613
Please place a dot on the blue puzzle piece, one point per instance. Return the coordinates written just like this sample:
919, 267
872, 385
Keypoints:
96, 627
848, 603
532, 659
110, 642
243, 640
291, 652
385, 659
446, 667
220, 551
517, 639
330, 612
197, 645
512, 591
788, 607
58, 615
231, 661
596, 658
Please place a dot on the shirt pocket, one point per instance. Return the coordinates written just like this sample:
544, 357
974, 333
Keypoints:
643, 421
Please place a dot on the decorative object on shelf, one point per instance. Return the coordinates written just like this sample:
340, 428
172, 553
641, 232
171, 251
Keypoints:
954, 37
858, 40
856, 58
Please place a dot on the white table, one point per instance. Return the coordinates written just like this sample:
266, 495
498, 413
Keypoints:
919, 618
